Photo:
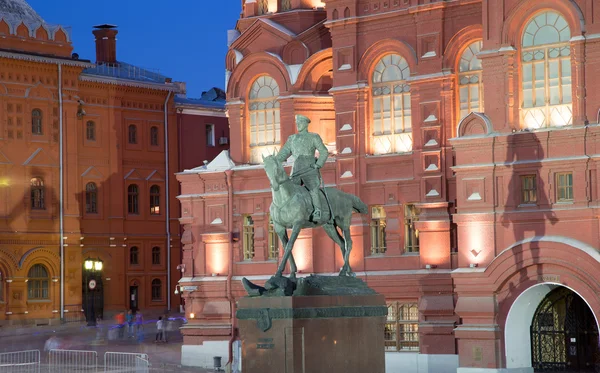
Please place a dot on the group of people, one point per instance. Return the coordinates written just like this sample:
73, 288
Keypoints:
134, 322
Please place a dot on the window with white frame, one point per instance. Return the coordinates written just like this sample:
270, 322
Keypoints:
210, 135
546, 72
470, 87
265, 135
392, 128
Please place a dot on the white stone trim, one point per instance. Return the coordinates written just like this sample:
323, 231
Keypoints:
591, 251
55, 61
127, 82
205, 112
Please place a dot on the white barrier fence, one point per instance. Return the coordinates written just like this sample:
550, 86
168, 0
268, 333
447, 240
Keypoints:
73, 361
60, 361
126, 362
20, 362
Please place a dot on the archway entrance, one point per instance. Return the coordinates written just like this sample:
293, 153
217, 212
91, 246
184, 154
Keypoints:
564, 334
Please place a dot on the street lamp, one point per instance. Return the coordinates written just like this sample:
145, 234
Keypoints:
92, 267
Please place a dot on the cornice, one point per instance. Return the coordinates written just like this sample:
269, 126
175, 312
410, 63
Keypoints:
44, 59
128, 83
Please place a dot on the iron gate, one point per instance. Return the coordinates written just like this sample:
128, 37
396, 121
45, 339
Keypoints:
564, 335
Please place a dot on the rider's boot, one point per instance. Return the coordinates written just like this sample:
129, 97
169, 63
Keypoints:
314, 195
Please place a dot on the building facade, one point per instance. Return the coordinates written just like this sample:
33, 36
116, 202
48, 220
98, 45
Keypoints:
468, 127
203, 127
88, 151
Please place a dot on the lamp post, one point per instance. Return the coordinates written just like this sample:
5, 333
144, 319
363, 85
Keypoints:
91, 268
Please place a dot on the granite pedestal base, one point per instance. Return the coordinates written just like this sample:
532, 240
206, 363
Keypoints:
313, 334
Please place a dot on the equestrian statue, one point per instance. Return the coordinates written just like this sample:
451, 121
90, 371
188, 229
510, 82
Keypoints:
300, 201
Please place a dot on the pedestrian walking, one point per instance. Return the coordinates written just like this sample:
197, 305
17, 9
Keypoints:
139, 324
120, 319
159, 330
130, 322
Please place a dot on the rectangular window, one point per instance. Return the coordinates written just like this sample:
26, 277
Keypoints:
402, 327
411, 234
378, 243
210, 135
248, 239
273, 242
564, 186
528, 189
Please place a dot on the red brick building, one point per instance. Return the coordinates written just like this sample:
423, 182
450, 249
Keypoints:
470, 129
88, 152
203, 127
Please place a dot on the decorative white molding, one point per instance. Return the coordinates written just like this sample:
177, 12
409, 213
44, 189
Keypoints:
433, 193
474, 197
126, 82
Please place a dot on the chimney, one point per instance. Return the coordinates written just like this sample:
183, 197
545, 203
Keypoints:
106, 44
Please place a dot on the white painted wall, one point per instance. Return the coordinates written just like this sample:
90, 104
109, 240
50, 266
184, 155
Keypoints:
412, 362
202, 356
518, 323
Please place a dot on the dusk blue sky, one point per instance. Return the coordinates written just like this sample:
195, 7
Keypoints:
184, 39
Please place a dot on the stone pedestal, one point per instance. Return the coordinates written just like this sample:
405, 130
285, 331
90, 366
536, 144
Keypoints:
313, 334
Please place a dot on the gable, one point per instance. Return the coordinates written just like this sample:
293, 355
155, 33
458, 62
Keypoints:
261, 33
38, 91
40, 158
4, 159
133, 175
92, 173
155, 176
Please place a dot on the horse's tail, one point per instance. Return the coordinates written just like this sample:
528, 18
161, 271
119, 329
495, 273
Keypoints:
358, 205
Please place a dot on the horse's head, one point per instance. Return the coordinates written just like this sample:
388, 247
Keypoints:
275, 171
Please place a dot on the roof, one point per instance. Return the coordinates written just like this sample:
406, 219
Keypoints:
19, 10
123, 70
213, 99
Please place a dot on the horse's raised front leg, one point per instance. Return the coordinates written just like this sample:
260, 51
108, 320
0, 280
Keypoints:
283, 236
288, 251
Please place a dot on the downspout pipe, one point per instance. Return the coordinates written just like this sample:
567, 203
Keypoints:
230, 297
61, 194
168, 200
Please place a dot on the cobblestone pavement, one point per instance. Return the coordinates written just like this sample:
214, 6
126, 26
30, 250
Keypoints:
163, 356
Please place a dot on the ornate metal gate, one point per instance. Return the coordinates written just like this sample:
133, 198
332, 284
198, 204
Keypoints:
564, 335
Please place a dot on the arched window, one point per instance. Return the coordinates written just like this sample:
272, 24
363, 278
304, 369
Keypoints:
347, 12
264, 118
392, 129
91, 198
37, 194
133, 199
156, 289
132, 134
36, 122
546, 72
335, 14
90, 131
470, 87
156, 255
38, 282
154, 200
154, 136
134, 256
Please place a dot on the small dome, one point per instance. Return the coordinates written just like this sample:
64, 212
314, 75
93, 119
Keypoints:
19, 10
